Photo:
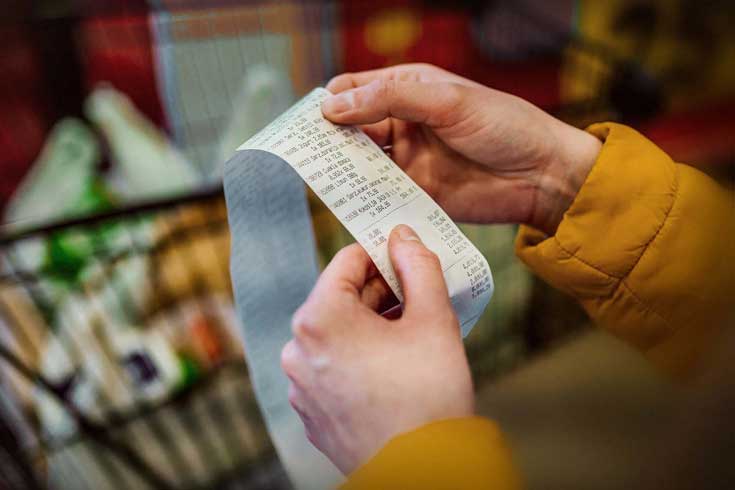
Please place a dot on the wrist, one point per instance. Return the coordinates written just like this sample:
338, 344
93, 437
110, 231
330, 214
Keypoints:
575, 152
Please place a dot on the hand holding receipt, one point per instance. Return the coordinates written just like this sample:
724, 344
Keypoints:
273, 264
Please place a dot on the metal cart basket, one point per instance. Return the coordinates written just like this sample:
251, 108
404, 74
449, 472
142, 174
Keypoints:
121, 358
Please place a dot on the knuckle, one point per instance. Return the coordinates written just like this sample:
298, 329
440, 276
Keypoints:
304, 323
410, 72
425, 257
451, 99
289, 360
424, 66
423, 260
418, 259
298, 324
387, 88
453, 94
347, 253
344, 79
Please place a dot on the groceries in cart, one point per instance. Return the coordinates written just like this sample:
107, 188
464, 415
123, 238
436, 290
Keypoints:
122, 319
117, 296
131, 309
64, 181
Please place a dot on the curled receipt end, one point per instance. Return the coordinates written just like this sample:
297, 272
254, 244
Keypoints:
274, 265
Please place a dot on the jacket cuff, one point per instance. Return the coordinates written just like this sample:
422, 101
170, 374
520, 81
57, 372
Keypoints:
457, 454
617, 213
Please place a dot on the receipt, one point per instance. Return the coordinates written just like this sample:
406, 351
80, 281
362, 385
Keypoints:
273, 262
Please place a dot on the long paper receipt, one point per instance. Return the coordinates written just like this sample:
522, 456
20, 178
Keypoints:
273, 262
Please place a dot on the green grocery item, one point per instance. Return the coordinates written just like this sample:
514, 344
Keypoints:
190, 372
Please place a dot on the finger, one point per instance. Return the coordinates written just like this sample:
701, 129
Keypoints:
346, 273
417, 72
293, 362
435, 104
336, 295
346, 81
377, 295
420, 274
380, 132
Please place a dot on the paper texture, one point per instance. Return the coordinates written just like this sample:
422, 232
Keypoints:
273, 262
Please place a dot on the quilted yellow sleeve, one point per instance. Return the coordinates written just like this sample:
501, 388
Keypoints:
647, 248
457, 454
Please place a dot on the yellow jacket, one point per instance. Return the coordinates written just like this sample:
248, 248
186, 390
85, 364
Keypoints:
647, 248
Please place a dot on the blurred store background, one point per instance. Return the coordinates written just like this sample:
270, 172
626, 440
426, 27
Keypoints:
120, 359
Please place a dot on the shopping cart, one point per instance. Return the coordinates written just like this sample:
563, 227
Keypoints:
131, 376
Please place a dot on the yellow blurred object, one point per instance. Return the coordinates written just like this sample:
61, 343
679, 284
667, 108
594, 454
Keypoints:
26, 336
692, 51
456, 454
192, 254
392, 32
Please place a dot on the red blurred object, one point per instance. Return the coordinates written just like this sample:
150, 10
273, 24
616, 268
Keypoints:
383, 33
443, 37
23, 119
119, 50
698, 137
207, 339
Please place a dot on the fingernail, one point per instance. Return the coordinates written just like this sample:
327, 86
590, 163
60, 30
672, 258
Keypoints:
406, 233
339, 103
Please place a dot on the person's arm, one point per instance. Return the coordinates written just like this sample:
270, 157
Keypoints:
389, 400
647, 248
457, 454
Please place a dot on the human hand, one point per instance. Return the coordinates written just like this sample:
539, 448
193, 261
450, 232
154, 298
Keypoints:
359, 379
485, 156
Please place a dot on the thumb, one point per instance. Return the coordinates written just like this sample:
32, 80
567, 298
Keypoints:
432, 103
420, 274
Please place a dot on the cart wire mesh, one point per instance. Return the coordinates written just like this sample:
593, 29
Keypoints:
114, 418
